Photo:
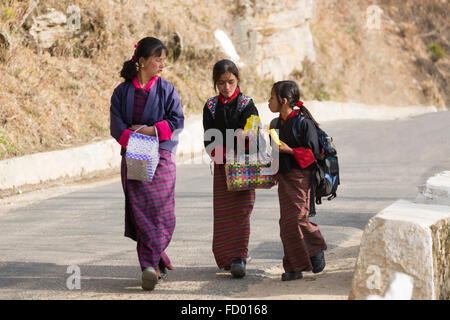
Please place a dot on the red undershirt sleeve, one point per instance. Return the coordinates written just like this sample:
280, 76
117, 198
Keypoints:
303, 156
123, 141
164, 132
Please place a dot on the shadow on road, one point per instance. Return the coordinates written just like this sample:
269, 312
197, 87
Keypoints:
333, 283
209, 281
273, 250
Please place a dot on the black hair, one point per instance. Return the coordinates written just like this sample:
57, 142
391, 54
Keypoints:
289, 89
222, 67
146, 47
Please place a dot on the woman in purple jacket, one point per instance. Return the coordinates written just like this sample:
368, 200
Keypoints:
144, 98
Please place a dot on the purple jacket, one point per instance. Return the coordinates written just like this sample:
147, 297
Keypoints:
163, 106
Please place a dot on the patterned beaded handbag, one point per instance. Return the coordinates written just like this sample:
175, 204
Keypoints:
249, 172
142, 156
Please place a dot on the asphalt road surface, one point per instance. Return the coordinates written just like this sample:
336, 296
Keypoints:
380, 162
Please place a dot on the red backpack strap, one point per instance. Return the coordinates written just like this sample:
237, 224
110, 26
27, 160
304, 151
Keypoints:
211, 103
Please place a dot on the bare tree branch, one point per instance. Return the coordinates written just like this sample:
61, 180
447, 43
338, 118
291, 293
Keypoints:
5, 45
31, 8
433, 32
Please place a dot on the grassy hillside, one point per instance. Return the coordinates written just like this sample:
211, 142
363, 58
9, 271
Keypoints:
59, 97
404, 62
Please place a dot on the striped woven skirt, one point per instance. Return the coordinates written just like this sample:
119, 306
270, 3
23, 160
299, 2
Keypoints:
232, 211
301, 238
150, 211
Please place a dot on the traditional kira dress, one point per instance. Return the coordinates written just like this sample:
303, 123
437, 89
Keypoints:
232, 209
149, 206
300, 237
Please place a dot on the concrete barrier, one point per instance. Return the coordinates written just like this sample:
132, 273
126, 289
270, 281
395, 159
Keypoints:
77, 162
408, 238
331, 110
436, 190
42, 167
400, 288
190, 149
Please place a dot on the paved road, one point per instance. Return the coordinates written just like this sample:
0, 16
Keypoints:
381, 161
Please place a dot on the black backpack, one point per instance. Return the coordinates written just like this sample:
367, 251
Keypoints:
326, 175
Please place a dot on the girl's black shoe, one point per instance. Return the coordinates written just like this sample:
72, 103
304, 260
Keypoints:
291, 275
238, 268
318, 262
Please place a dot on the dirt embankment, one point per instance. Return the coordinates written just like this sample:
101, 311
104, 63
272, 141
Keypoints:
391, 52
56, 86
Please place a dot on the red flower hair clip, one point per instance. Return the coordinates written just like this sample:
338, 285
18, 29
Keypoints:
299, 104
133, 59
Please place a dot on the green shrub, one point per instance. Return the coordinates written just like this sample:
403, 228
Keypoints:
322, 94
8, 13
7, 147
436, 51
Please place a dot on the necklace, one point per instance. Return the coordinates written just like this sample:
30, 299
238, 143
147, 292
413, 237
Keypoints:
140, 81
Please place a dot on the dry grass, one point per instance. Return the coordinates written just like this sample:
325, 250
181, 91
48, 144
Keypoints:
393, 65
57, 98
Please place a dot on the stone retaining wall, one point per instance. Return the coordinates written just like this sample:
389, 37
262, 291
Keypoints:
408, 238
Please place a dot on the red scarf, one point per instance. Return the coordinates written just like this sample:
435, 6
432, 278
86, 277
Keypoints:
222, 99
294, 112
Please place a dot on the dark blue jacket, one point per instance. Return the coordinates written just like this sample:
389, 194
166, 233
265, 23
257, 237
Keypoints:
163, 103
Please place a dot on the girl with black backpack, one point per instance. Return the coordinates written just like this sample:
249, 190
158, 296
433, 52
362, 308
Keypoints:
303, 243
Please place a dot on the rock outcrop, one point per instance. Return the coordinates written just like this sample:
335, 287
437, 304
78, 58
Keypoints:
49, 27
274, 36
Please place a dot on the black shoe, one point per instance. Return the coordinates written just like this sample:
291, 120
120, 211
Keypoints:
318, 262
238, 268
291, 275
149, 279
163, 270
164, 274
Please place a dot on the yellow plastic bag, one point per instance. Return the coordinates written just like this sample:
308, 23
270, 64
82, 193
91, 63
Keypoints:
275, 137
252, 123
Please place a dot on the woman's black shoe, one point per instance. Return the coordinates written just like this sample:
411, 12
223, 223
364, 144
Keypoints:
238, 268
163, 270
318, 262
291, 275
